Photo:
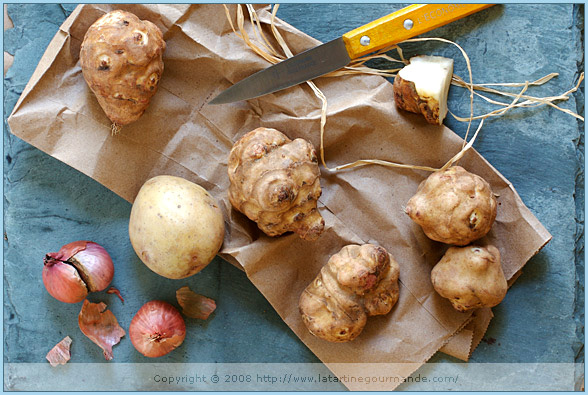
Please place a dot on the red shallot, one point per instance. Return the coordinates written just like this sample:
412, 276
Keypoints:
100, 326
77, 269
157, 329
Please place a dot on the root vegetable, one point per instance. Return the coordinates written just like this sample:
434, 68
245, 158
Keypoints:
423, 85
121, 59
176, 227
77, 269
157, 329
470, 277
276, 183
453, 206
357, 282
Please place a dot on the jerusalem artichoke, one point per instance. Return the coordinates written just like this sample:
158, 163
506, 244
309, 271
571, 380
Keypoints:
470, 277
121, 59
423, 85
357, 282
275, 182
453, 206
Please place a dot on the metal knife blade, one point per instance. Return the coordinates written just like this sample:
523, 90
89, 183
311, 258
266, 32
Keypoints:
302, 67
390, 29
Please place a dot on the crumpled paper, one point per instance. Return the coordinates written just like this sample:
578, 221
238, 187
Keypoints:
181, 135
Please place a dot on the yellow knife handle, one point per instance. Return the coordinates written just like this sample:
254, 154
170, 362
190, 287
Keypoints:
403, 24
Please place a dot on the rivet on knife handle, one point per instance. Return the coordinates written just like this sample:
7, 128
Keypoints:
403, 24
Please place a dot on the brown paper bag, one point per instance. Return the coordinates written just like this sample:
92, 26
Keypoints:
463, 343
180, 135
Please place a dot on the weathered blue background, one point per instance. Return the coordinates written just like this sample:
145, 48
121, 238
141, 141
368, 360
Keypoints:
541, 151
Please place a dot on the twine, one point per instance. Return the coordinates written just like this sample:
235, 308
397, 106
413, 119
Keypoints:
115, 129
357, 66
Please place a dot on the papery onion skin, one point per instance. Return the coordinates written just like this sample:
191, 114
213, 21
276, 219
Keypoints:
97, 265
63, 282
101, 326
157, 329
77, 269
69, 250
60, 354
113, 290
195, 305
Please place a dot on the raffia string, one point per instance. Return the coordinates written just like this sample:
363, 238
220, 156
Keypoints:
358, 66
530, 101
115, 129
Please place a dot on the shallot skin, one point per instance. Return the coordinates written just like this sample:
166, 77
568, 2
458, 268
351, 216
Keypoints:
195, 305
63, 282
76, 269
157, 329
101, 326
60, 354
97, 264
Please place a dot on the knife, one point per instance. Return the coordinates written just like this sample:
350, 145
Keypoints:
391, 29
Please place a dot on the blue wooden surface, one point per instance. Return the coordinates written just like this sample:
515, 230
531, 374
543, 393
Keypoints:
541, 151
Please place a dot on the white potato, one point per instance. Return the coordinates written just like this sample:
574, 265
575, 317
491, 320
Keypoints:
176, 226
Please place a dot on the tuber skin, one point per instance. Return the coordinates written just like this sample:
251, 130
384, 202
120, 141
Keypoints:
121, 59
470, 277
276, 183
176, 227
453, 206
357, 282
423, 85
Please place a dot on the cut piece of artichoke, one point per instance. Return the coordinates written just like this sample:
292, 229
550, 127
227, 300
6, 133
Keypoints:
423, 85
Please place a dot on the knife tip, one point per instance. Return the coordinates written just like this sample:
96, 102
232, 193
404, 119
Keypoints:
215, 101
221, 98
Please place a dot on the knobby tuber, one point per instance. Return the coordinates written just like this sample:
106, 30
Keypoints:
470, 277
423, 85
276, 183
121, 59
357, 282
453, 206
